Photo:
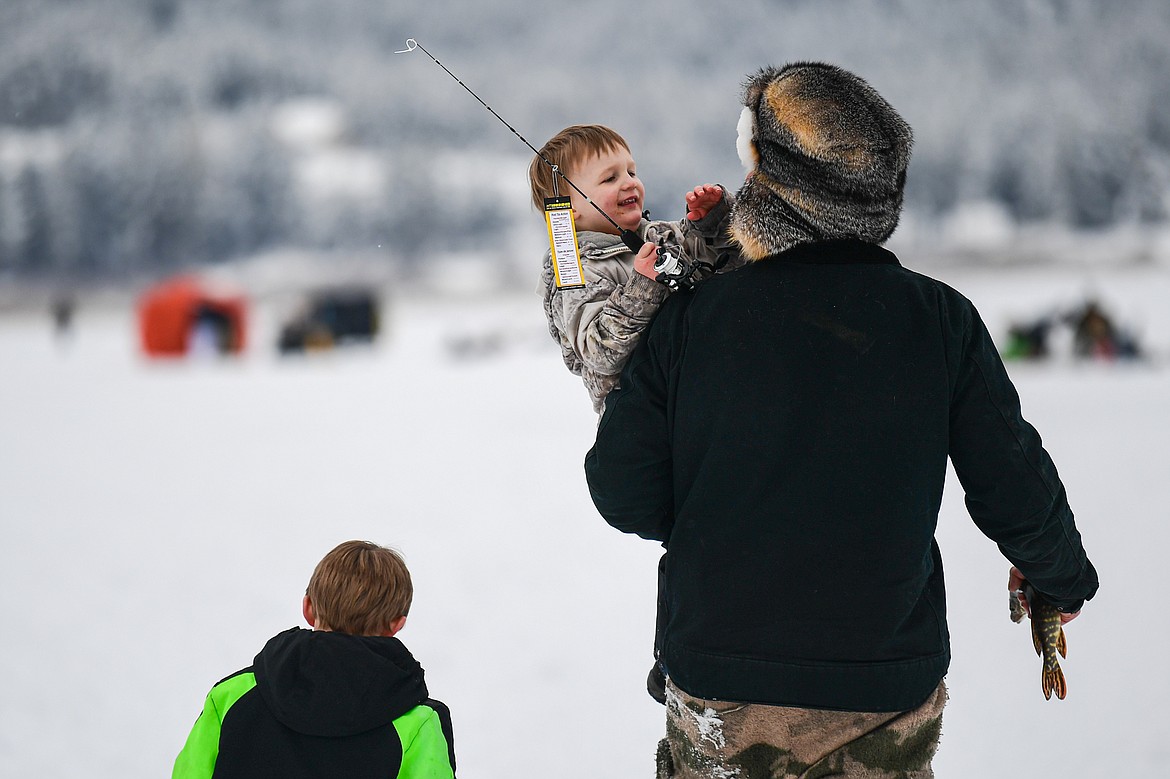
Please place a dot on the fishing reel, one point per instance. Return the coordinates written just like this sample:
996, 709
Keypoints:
675, 270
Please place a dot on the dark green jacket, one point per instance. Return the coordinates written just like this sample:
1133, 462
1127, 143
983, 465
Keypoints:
785, 430
321, 705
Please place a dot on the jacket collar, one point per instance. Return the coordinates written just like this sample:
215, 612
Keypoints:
595, 246
839, 251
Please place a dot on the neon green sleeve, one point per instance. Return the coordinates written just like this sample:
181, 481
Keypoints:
197, 759
425, 752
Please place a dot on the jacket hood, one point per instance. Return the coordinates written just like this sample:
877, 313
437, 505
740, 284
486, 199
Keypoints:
321, 683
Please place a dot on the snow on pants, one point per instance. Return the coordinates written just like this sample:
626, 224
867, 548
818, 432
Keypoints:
723, 740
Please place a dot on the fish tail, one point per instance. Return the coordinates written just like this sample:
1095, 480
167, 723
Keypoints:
1052, 680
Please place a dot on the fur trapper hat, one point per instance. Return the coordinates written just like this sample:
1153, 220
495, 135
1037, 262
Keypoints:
827, 159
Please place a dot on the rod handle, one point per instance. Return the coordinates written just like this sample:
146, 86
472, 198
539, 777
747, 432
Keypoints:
632, 240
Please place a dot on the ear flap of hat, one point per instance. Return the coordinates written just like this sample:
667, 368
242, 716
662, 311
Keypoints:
745, 145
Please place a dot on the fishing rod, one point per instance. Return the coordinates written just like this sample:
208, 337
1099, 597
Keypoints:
630, 238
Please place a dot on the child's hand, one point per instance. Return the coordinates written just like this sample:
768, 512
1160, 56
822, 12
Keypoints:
701, 200
644, 261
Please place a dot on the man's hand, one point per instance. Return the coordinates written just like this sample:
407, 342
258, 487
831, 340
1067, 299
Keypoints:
1016, 584
701, 199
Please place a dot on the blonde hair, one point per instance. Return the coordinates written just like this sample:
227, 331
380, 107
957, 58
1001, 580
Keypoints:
567, 149
360, 588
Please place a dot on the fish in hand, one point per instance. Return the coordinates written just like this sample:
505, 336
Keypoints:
1047, 636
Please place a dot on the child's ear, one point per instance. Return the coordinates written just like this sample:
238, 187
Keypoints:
307, 610
395, 626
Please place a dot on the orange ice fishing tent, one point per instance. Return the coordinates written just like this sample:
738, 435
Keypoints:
182, 315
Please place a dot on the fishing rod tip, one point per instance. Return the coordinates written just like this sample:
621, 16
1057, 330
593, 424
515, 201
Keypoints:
411, 44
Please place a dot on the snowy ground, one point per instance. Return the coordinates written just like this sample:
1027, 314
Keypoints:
160, 523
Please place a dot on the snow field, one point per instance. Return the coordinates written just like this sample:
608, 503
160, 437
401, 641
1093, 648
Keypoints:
160, 522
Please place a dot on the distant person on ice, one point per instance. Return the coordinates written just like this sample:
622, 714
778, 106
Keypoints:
1095, 336
598, 325
785, 430
345, 699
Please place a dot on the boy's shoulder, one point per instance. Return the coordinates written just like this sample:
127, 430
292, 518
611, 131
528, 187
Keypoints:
662, 230
225, 693
239, 676
604, 258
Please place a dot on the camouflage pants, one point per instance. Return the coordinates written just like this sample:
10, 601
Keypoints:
721, 740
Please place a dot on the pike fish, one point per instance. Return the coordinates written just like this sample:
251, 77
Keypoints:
1047, 637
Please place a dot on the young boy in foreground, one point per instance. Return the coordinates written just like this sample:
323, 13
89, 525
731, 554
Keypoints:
598, 325
344, 699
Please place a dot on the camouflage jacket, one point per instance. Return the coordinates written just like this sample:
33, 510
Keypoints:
597, 326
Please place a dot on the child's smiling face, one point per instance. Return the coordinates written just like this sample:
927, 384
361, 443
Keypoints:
610, 180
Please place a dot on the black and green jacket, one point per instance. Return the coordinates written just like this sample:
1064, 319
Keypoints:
318, 704
785, 431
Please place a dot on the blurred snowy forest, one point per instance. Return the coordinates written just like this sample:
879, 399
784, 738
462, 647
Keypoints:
142, 136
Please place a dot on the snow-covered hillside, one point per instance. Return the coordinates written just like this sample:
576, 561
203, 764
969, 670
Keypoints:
143, 135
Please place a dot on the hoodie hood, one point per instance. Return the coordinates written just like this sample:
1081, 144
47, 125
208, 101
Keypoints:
321, 683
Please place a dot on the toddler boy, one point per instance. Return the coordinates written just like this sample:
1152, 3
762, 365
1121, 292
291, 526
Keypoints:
598, 325
344, 699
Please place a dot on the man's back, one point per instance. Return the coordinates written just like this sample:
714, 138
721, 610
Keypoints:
796, 418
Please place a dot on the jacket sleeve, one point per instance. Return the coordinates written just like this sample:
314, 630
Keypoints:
197, 759
1013, 492
428, 743
604, 319
630, 468
710, 241
199, 755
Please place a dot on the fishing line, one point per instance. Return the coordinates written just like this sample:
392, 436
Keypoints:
629, 237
